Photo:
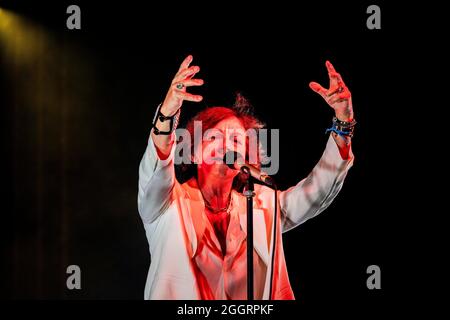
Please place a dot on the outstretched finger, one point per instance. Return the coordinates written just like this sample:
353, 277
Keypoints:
336, 76
188, 83
189, 97
186, 62
187, 73
330, 67
335, 79
319, 89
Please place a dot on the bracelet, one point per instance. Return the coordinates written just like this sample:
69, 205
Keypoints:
161, 117
342, 128
344, 124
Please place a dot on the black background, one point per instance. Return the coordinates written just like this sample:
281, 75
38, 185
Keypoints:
77, 116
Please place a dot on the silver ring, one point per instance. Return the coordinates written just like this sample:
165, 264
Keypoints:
340, 89
180, 86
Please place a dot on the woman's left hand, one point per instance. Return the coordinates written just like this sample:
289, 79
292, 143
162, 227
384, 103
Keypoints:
338, 96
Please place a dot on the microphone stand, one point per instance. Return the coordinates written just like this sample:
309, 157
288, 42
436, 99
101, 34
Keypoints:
249, 193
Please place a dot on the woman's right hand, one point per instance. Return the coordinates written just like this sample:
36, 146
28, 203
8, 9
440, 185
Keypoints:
172, 103
184, 78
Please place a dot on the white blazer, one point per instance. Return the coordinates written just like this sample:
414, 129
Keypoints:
172, 214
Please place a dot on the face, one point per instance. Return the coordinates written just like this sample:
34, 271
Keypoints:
227, 135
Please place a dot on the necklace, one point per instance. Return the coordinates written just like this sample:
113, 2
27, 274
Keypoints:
216, 210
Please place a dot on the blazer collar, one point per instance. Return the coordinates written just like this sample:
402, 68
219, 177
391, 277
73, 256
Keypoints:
196, 223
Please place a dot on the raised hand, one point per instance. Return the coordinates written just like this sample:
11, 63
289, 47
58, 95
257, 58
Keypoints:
337, 96
172, 103
177, 91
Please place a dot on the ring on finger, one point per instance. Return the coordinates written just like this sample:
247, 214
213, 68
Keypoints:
180, 86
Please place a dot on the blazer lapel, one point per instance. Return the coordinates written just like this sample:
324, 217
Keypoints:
193, 215
196, 224
259, 231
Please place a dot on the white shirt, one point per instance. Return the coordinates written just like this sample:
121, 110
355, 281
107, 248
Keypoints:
225, 277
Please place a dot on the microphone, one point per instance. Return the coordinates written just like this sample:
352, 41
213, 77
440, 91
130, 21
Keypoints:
236, 161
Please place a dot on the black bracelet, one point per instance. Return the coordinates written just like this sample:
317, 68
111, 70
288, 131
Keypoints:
342, 128
159, 116
344, 124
